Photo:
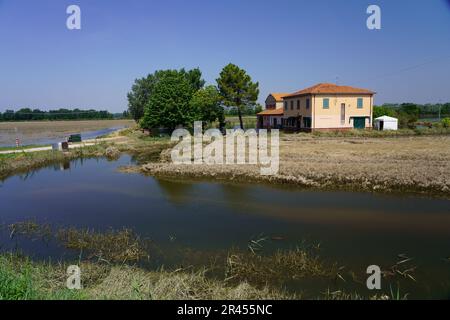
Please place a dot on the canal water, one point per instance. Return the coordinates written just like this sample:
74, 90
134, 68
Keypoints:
9, 139
354, 229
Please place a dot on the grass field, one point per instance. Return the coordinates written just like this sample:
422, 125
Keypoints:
416, 164
249, 122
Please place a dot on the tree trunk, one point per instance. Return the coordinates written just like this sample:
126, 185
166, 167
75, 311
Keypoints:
240, 118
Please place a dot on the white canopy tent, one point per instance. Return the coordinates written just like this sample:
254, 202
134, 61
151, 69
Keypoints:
386, 123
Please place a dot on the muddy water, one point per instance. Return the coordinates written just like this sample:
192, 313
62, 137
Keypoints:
354, 229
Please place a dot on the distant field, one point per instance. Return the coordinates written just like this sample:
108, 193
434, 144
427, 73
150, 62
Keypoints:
44, 132
249, 121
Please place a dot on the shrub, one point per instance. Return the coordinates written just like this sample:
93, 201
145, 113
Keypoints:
445, 122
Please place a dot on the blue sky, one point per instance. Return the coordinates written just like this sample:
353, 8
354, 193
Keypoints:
286, 45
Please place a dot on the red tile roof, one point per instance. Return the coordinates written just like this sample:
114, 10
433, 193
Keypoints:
329, 88
278, 96
272, 112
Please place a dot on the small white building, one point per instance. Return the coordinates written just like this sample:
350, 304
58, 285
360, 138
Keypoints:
386, 123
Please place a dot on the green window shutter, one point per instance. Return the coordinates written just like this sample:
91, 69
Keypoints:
360, 103
326, 103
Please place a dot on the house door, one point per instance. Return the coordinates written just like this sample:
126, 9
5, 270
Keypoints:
343, 114
275, 122
359, 122
381, 125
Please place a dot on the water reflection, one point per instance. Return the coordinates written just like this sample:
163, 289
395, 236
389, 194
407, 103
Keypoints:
356, 229
178, 194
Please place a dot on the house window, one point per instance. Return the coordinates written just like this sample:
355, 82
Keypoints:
292, 105
298, 104
360, 103
285, 106
307, 103
326, 103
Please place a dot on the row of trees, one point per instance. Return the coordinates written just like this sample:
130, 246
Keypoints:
172, 98
409, 113
27, 114
428, 110
249, 111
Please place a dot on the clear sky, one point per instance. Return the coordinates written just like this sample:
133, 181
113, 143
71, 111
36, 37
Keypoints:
286, 45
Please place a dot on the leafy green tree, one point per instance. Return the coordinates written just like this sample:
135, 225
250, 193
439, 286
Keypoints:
379, 111
258, 108
237, 89
206, 103
169, 103
140, 94
411, 109
194, 77
142, 89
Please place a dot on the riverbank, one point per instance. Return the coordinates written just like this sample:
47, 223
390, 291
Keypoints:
24, 162
269, 258
110, 268
411, 164
22, 279
401, 164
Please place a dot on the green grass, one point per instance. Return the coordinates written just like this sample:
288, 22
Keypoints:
20, 279
15, 285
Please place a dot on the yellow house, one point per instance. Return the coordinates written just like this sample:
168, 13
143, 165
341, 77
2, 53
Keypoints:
327, 106
272, 116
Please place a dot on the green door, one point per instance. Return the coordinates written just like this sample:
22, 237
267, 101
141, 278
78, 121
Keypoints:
359, 122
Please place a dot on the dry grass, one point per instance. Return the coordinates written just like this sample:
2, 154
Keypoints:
108, 271
21, 278
31, 229
416, 164
143, 148
112, 246
38, 280
281, 267
133, 283
342, 295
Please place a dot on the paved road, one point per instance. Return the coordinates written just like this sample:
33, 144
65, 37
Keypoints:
86, 143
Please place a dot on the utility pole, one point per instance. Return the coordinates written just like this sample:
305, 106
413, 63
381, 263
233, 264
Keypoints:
440, 106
